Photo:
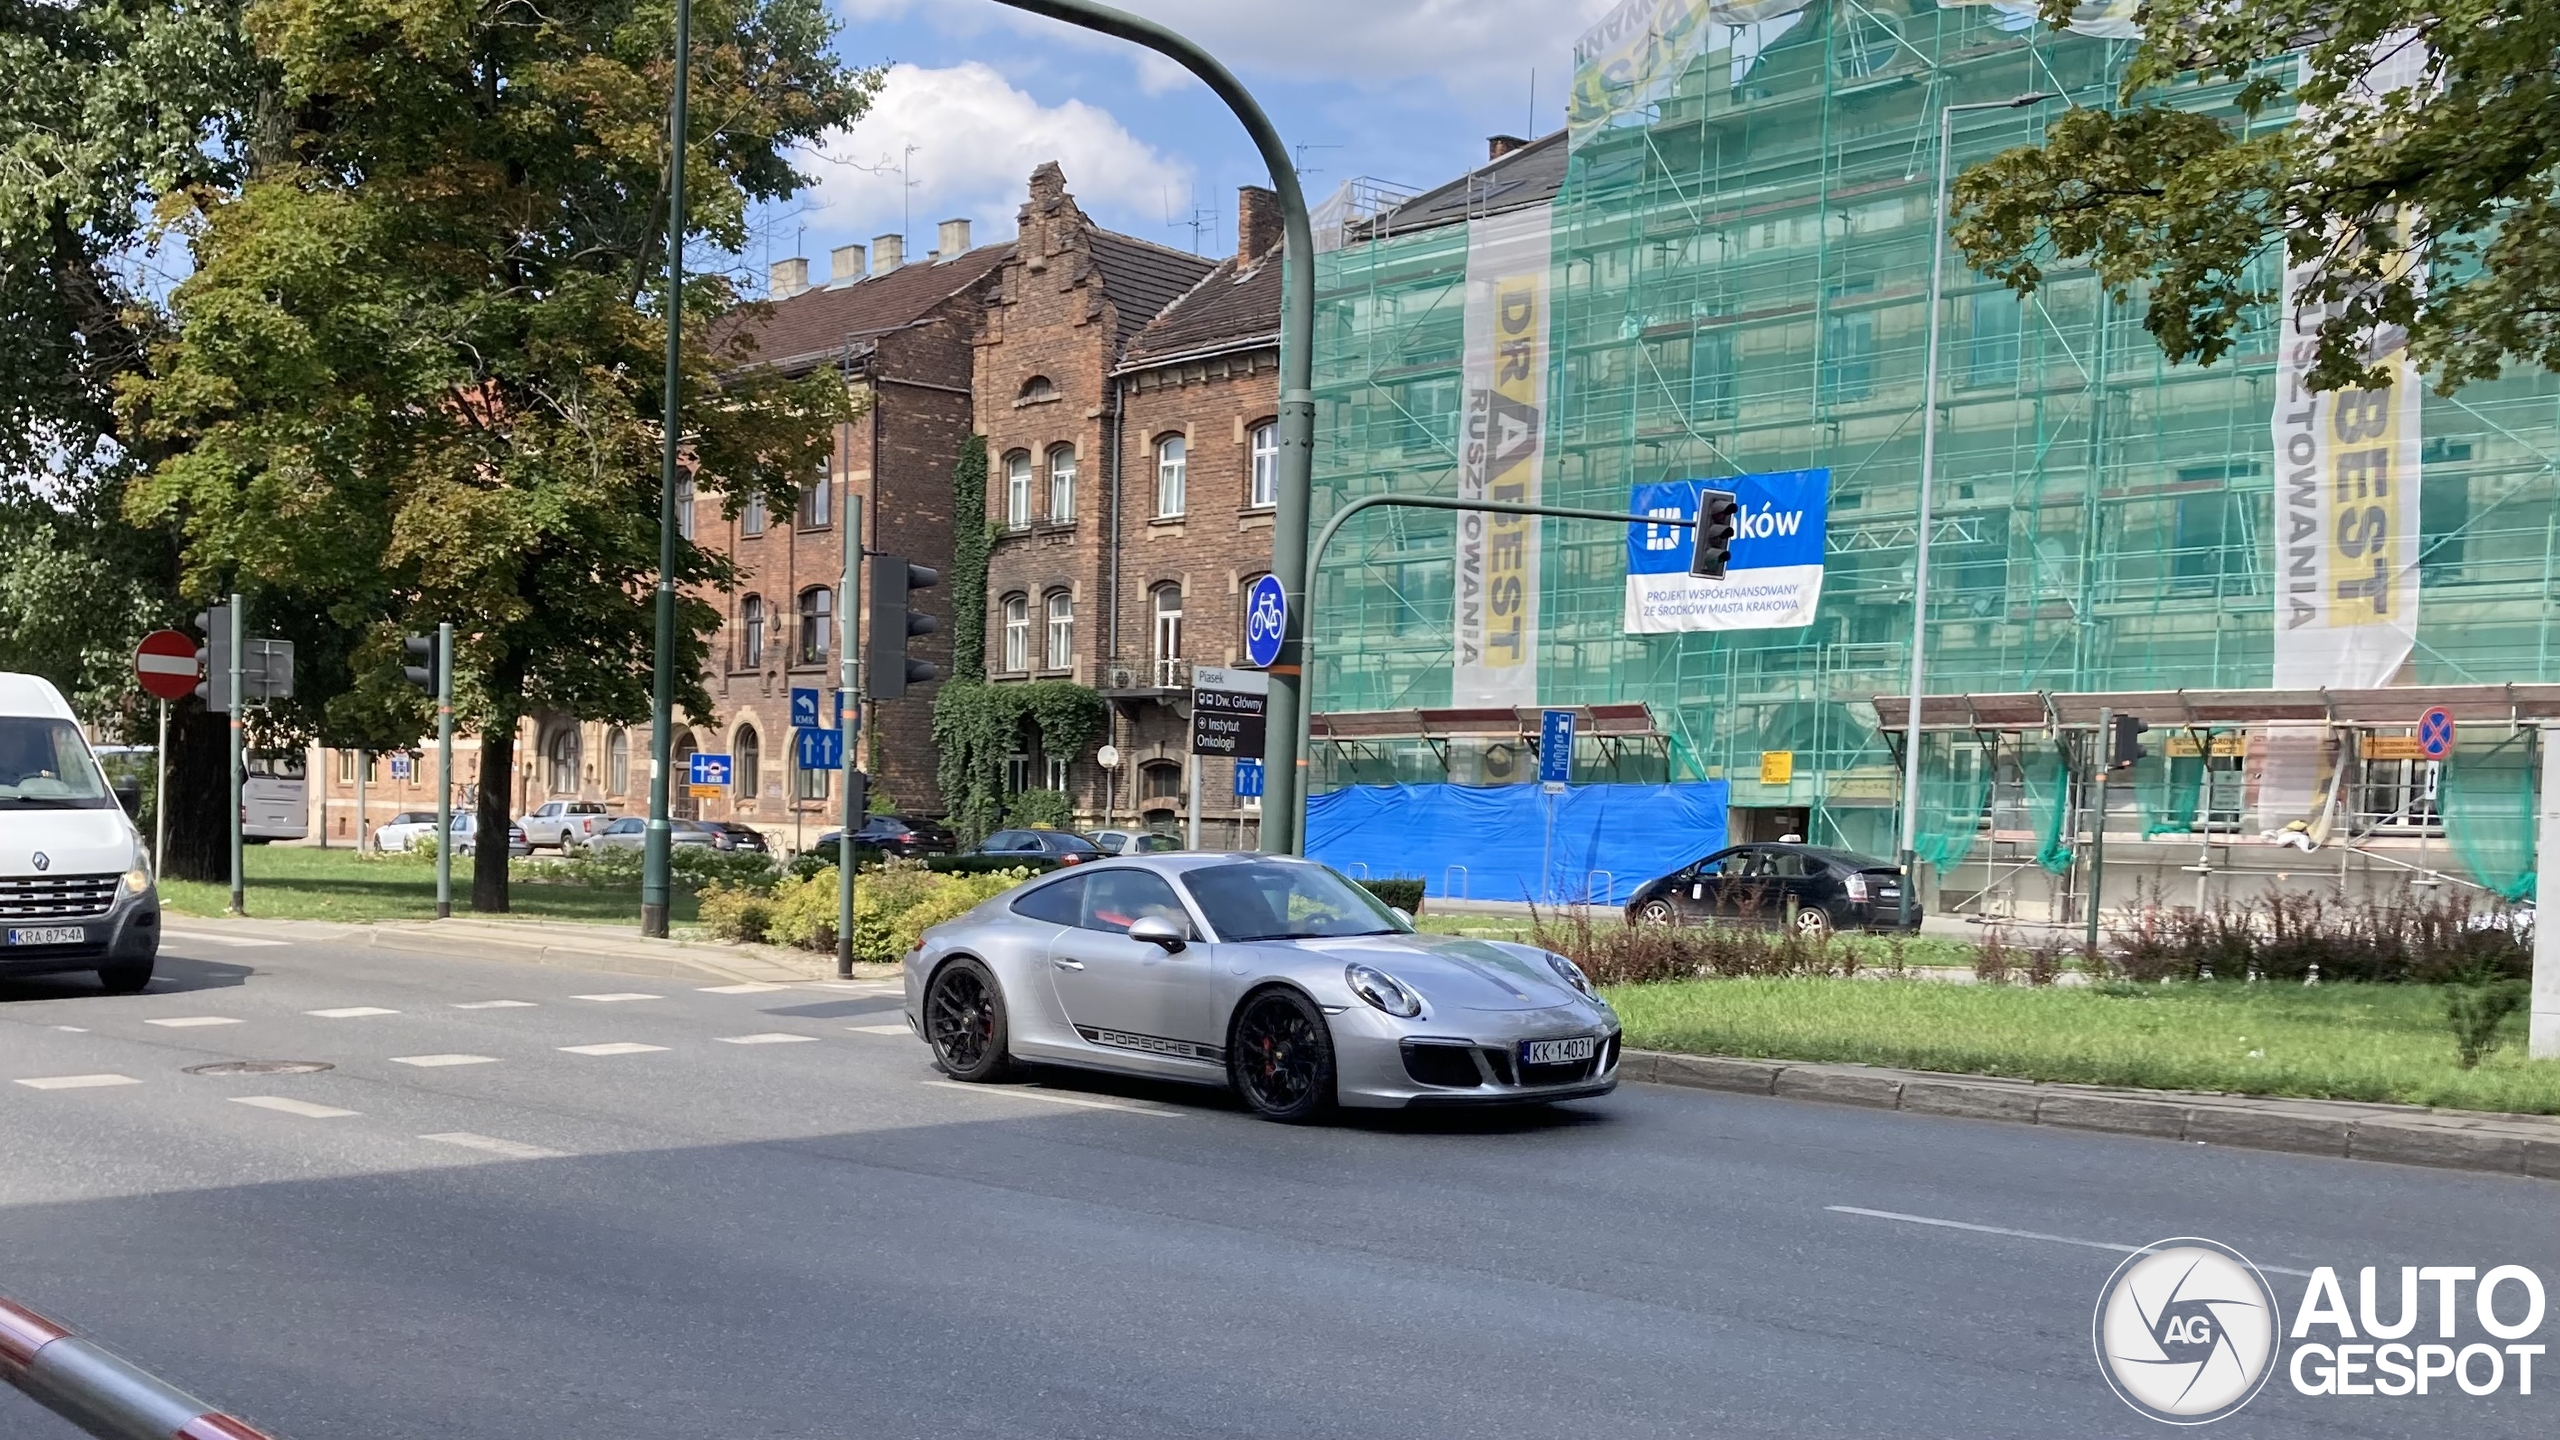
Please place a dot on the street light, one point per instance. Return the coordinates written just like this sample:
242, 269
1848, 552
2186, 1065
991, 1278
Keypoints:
662, 683
1909, 854
1284, 789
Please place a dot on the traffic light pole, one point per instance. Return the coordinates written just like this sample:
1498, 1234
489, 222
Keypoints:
654, 843
849, 727
444, 770
237, 733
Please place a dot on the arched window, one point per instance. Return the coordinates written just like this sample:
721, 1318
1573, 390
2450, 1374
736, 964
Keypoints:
1062, 484
750, 763
1062, 630
1017, 490
680, 801
1038, 388
751, 626
1017, 632
561, 760
817, 615
1171, 453
617, 761
1168, 607
1265, 489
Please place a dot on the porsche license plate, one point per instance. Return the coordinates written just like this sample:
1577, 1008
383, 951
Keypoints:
1558, 1052
49, 935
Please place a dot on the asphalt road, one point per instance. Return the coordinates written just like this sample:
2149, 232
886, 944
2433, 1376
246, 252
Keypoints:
726, 1234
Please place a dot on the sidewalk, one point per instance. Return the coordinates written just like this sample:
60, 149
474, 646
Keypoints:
2526, 1145
614, 948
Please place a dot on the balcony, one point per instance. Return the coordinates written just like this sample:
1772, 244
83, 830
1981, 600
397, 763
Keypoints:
1146, 680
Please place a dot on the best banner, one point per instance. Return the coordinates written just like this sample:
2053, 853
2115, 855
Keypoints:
1774, 580
1502, 458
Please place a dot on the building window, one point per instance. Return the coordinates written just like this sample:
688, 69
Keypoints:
1711, 375
1017, 490
749, 762
817, 613
1992, 333
1062, 484
372, 768
1017, 774
818, 499
561, 759
346, 767
808, 784
1038, 388
1168, 609
1848, 344
684, 506
1058, 775
617, 761
1170, 453
1160, 782
1017, 632
751, 515
1265, 491
751, 621
1062, 630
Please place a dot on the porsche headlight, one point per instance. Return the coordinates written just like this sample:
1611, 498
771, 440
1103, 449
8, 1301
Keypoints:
1383, 991
1571, 974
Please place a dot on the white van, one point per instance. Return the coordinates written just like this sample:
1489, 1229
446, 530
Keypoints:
76, 889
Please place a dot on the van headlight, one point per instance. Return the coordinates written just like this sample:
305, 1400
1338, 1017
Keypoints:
137, 877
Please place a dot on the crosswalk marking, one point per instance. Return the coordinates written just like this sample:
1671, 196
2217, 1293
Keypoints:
237, 942
351, 1012
750, 987
181, 1022
291, 1106
426, 1061
769, 1037
513, 1149
76, 1082
877, 1029
618, 995
616, 1047
493, 1005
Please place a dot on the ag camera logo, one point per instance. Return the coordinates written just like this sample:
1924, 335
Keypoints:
2187, 1331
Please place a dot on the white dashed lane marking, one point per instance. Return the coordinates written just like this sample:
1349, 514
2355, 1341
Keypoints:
512, 1149
180, 1022
1025, 1092
769, 1037
877, 1029
1936, 1223
76, 1082
74, 1029
290, 1106
617, 1047
351, 1012
241, 942
751, 987
429, 1061
618, 995
493, 1005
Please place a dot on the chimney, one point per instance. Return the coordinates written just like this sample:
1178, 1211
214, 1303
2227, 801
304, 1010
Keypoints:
845, 265
955, 239
891, 252
788, 278
1497, 146
1257, 223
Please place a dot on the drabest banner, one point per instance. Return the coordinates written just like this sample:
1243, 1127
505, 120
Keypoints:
1774, 580
1502, 457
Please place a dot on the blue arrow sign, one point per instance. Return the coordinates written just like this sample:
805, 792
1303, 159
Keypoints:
819, 749
804, 707
707, 769
1248, 779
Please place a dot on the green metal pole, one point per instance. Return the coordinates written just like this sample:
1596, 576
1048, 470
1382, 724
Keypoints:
849, 726
1284, 785
653, 861
444, 770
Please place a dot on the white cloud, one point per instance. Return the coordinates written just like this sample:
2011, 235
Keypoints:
1158, 75
977, 140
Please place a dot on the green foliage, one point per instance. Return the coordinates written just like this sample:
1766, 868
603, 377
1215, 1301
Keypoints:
741, 916
694, 867
971, 544
2476, 1006
1039, 810
892, 905
804, 911
1403, 892
978, 726
2189, 205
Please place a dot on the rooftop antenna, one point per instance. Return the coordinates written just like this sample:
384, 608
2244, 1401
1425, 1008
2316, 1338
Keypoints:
1302, 149
906, 187
1202, 218
1532, 131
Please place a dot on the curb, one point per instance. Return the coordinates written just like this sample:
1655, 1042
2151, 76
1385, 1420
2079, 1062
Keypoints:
2523, 1145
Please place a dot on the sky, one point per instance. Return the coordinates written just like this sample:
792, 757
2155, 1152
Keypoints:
1398, 90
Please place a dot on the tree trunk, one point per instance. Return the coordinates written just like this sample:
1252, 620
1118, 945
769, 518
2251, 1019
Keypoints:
199, 794
497, 800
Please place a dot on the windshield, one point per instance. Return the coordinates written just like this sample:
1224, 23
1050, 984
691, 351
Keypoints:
45, 766
1264, 900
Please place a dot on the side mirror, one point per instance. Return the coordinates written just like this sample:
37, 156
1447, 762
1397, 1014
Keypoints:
129, 795
1157, 930
1402, 914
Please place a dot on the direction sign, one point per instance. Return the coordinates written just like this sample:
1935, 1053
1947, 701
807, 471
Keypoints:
1266, 617
402, 767
1248, 779
818, 749
1555, 747
165, 663
1228, 711
2435, 732
804, 707
707, 770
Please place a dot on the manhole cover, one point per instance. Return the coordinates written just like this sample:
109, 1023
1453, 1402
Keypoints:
259, 1067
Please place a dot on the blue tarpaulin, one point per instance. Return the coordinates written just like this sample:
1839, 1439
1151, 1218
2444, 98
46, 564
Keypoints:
1491, 843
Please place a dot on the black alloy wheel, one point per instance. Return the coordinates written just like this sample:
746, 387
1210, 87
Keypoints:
964, 1022
1281, 1058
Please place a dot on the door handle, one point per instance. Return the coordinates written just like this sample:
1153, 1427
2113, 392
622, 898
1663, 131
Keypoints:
1068, 964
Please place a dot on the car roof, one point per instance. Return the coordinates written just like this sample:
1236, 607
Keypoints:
32, 695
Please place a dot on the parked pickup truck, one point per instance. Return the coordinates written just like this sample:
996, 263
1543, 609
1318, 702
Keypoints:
563, 823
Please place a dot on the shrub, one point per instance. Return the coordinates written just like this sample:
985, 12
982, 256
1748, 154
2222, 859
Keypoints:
701, 866
1403, 892
804, 911
1039, 810
1612, 952
740, 916
2400, 939
2476, 1003
892, 905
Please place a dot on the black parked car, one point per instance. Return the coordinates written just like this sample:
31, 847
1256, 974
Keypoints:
1055, 845
734, 836
1832, 890
909, 837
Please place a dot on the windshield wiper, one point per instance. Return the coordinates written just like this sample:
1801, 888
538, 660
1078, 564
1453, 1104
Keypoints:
50, 802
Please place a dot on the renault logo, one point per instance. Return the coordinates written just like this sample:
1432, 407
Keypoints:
43, 861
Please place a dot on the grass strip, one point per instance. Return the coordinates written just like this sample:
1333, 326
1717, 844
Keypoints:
302, 882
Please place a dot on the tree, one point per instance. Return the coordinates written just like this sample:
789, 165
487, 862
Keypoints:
415, 373
2456, 168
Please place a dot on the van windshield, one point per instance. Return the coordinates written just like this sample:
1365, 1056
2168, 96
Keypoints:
45, 766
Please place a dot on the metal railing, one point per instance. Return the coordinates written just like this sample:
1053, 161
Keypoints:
100, 1391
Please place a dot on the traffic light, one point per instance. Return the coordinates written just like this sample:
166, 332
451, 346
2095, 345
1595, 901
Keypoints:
888, 669
2124, 741
213, 658
1713, 542
421, 652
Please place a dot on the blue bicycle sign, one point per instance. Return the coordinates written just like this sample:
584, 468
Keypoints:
1266, 617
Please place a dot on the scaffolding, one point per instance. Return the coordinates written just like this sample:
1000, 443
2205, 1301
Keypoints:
1738, 286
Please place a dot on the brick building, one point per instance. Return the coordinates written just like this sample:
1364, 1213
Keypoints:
1127, 392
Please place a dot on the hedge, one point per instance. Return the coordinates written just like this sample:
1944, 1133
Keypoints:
1402, 891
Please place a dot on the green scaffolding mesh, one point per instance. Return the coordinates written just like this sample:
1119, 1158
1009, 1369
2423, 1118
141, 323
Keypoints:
2487, 800
2170, 788
1955, 787
2047, 781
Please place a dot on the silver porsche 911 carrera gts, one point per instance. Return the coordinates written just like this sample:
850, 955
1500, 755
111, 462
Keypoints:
1273, 975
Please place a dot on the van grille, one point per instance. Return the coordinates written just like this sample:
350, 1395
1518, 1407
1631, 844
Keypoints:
56, 897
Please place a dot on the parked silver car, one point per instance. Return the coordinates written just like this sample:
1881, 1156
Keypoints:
1274, 975
632, 831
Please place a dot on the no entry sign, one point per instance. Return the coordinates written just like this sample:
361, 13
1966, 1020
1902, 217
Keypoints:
165, 663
